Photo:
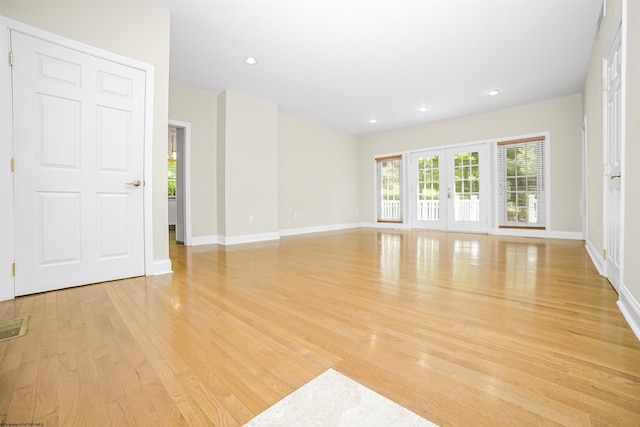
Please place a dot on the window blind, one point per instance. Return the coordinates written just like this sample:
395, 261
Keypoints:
522, 183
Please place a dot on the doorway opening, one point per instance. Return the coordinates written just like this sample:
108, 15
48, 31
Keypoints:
178, 183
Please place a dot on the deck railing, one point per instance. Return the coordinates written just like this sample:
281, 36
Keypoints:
464, 210
429, 210
390, 209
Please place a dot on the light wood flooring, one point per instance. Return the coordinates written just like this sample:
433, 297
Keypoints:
464, 330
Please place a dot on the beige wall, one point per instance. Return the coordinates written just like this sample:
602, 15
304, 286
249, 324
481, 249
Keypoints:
305, 153
250, 141
318, 175
199, 109
130, 28
562, 117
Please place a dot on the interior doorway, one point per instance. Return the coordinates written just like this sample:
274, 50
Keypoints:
179, 192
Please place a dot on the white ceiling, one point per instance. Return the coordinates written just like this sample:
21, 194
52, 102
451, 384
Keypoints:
341, 62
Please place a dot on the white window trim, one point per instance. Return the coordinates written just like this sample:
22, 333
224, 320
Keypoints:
525, 232
403, 192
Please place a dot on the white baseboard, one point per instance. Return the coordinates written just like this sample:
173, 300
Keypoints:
596, 257
162, 266
204, 240
630, 308
318, 229
386, 225
248, 238
544, 234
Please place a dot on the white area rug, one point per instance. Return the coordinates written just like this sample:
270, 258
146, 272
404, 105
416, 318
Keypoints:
331, 399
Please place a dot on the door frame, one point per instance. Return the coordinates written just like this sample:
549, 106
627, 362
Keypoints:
487, 182
7, 254
184, 157
585, 201
486, 167
619, 32
412, 190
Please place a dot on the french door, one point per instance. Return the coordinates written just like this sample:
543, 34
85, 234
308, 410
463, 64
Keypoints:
449, 189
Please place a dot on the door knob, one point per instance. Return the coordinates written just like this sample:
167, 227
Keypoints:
135, 183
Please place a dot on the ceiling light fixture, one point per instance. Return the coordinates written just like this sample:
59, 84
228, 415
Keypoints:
423, 108
494, 92
372, 121
172, 154
250, 60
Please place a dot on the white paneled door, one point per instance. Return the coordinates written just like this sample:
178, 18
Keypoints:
613, 144
78, 149
449, 189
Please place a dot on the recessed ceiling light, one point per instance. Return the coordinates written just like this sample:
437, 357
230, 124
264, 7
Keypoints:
250, 60
423, 108
372, 121
494, 92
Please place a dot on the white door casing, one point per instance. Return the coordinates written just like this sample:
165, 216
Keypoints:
79, 131
613, 155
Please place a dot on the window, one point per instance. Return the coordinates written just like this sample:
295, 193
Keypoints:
172, 156
428, 208
522, 183
171, 178
466, 177
389, 178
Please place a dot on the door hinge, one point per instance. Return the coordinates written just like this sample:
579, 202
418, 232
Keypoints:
604, 254
13, 269
605, 85
11, 58
13, 164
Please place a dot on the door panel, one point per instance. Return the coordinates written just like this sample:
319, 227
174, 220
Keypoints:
60, 227
613, 123
58, 122
114, 140
114, 225
428, 202
448, 190
467, 191
78, 144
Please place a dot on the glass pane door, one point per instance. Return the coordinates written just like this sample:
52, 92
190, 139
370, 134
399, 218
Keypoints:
428, 207
466, 188
448, 189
